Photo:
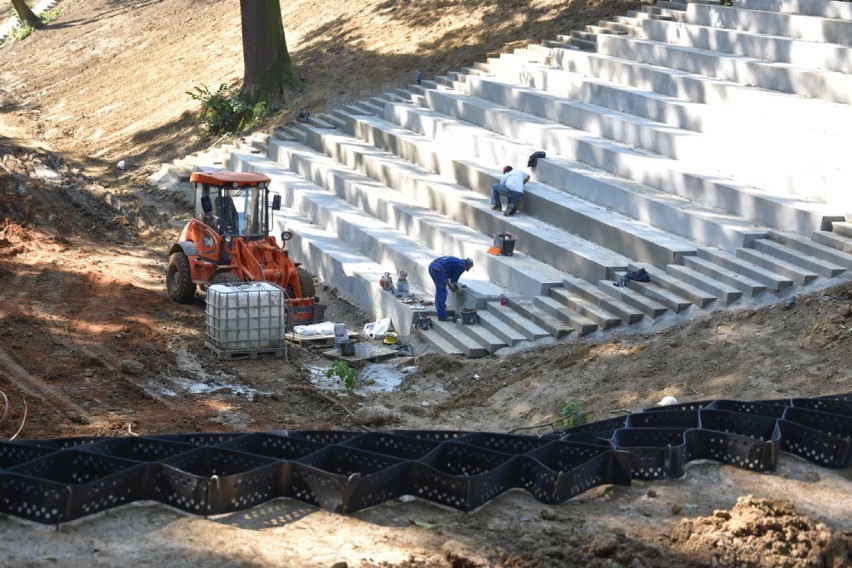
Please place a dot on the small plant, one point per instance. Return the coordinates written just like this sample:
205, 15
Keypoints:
572, 415
20, 32
224, 111
50, 15
344, 372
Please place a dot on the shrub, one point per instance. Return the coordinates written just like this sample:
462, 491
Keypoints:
342, 370
572, 415
224, 111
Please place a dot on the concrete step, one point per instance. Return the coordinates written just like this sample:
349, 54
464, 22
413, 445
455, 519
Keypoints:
727, 276
688, 177
685, 289
827, 85
510, 319
437, 343
604, 299
585, 307
725, 293
493, 323
579, 322
634, 298
833, 240
555, 326
466, 343
804, 260
731, 104
656, 291
795, 273
834, 10
607, 229
793, 25
772, 280
540, 238
801, 53
482, 334
842, 228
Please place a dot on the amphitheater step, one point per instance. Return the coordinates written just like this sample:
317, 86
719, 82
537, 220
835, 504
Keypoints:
795, 273
772, 280
511, 319
724, 275
579, 322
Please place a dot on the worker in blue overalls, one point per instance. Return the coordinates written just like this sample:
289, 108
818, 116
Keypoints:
445, 272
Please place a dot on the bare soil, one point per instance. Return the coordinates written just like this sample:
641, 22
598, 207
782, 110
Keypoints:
90, 344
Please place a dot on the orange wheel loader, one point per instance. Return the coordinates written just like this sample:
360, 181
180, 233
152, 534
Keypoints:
227, 240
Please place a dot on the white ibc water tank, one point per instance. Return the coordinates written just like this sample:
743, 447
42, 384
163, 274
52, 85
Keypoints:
245, 317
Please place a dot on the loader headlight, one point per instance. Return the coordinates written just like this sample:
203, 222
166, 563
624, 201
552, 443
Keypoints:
286, 235
228, 239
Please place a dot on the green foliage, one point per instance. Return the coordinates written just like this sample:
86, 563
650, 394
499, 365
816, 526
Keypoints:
344, 372
50, 15
572, 415
224, 111
20, 32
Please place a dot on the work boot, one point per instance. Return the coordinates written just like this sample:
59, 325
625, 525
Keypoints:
510, 210
496, 208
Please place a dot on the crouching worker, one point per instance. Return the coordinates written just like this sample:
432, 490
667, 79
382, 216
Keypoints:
445, 272
511, 185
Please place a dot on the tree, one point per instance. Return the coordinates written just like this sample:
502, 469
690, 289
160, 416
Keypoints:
269, 71
26, 15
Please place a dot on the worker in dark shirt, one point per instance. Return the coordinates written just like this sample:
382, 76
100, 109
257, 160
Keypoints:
445, 272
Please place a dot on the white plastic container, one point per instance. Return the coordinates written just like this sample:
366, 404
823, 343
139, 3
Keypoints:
245, 317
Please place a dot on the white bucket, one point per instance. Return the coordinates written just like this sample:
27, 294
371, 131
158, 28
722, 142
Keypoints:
362, 350
340, 334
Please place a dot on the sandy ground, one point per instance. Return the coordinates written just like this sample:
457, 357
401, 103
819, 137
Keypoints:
91, 345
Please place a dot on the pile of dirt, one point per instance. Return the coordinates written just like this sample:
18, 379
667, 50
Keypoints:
90, 344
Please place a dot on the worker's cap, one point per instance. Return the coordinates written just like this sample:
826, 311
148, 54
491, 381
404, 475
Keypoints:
507, 169
468, 264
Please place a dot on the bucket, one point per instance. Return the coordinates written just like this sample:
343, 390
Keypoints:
506, 243
468, 316
362, 350
340, 334
347, 347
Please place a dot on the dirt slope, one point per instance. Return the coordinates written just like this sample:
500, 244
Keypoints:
91, 345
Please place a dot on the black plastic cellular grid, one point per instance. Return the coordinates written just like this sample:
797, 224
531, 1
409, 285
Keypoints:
59, 480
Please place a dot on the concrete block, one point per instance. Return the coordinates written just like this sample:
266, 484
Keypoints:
778, 266
725, 275
773, 281
576, 320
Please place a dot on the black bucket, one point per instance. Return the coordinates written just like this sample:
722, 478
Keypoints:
347, 347
468, 316
506, 243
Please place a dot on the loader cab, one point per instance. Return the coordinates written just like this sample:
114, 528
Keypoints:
234, 203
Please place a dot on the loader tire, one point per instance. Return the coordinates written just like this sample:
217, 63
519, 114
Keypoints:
306, 283
179, 279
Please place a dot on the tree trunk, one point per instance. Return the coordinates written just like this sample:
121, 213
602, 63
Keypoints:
269, 72
26, 15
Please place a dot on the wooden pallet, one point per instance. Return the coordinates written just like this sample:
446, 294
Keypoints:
238, 354
376, 354
315, 341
